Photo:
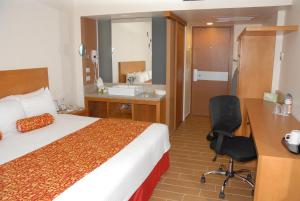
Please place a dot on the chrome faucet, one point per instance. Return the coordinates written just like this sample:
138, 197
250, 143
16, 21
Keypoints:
130, 79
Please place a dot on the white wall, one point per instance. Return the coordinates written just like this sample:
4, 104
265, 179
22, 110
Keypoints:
131, 43
237, 30
290, 69
38, 34
278, 51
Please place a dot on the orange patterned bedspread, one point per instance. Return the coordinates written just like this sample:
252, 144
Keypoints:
48, 171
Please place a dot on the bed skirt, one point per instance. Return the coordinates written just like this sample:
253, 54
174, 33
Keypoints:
145, 191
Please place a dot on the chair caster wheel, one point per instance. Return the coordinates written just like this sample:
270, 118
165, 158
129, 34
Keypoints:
249, 177
221, 195
210, 136
221, 168
202, 179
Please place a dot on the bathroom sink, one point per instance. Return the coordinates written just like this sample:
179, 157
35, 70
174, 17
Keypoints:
125, 90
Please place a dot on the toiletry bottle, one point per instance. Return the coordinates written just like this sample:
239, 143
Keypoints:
288, 101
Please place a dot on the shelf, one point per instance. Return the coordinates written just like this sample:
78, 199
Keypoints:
138, 110
77, 111
267, 30
119, 110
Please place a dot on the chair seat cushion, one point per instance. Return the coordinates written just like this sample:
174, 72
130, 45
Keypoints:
238, 148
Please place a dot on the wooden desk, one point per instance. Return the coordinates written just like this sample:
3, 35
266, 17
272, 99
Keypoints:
278, 170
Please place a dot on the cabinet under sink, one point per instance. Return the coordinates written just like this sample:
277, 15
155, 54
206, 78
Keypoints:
150, 110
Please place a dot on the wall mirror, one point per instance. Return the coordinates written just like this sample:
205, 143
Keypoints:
132, 47
132, 50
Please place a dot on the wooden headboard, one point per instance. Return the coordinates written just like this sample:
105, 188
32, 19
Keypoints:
130, 67
22, 81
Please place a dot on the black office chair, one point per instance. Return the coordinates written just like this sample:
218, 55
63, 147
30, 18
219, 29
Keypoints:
226, 118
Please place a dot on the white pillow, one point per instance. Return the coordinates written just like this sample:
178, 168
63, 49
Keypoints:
142, 77
138, 78
146, 76
38, 104
10, 112
19, 96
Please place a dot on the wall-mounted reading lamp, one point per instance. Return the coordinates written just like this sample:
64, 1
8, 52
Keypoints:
82, 50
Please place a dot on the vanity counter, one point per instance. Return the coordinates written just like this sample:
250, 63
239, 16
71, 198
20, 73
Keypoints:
142, 107
142, 96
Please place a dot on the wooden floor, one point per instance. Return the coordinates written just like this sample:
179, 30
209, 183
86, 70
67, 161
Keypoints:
190, 156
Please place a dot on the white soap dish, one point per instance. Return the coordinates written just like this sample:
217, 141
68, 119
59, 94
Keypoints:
160, 92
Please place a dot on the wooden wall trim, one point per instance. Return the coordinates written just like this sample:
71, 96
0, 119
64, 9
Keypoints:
172, 16
22, 81
267, 30
170, 70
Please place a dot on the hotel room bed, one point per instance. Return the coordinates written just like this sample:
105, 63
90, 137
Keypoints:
116, 179
130, 173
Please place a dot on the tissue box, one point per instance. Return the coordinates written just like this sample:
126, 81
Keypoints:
272, 97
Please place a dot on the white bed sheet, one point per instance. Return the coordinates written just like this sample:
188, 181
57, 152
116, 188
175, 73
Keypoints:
116, 179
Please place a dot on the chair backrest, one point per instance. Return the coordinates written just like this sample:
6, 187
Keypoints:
225, 113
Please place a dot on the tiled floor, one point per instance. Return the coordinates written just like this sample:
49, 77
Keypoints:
190, 156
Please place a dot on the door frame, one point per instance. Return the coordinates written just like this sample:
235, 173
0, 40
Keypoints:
179, 118
230, 59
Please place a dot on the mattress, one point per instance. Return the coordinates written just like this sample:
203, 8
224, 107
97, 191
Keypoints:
116, 179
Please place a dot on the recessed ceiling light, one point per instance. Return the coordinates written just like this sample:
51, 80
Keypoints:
209, 23
234, 19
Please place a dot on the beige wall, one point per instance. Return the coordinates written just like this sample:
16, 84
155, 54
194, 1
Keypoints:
39, 33
290, 69
277, 53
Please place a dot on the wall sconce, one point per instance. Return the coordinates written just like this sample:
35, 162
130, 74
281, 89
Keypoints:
82, 50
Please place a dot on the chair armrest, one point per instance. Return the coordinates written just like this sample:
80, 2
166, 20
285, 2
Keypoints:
221, 134
224, 133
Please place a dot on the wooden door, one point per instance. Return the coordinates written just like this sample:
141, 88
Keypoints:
211, 55
180, 31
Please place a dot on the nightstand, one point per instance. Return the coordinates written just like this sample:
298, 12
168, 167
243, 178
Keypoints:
76, 111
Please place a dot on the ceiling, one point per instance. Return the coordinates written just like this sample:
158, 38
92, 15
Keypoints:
230, 16
262, 15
